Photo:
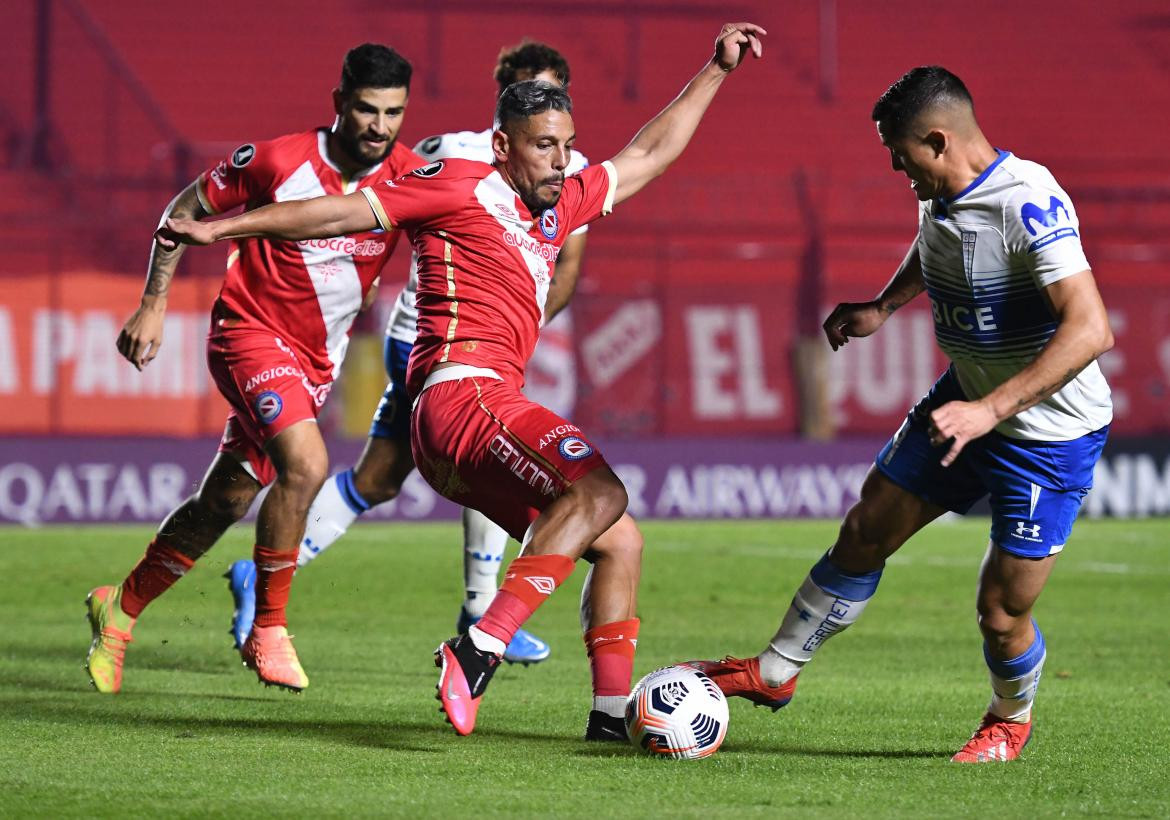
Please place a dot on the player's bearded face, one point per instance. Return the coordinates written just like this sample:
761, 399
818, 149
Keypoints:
368, 122
536, 154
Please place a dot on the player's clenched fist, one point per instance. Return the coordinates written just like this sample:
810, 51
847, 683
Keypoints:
175, 232
852, 319
734, 41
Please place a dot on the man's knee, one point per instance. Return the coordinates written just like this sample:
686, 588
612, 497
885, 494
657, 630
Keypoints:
622, 541
226, 494
1001, 622
863, 536
303, 473
605, 496
383, 467
224, 504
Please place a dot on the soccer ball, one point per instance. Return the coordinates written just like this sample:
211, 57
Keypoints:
678, 712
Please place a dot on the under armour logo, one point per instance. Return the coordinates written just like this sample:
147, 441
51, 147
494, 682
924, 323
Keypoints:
542, 583
804, 614
1025, 531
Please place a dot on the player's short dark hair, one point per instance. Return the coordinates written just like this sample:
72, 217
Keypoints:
524, 99
530, 58
916, 91
374, 66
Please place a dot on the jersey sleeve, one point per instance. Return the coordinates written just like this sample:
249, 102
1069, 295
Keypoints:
589, 195
416, 198
247, 173
1041, 227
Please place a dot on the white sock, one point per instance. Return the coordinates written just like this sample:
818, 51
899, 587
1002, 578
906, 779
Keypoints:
485, 642
612, 705
483, 555
818, 612
336, 506
1014, 682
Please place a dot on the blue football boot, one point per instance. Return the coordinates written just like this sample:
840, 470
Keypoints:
242, 583
525, 647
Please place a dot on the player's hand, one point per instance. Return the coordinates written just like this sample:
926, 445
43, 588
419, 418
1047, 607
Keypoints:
175, 232
959, 422
141, 336
733, 42
852, 319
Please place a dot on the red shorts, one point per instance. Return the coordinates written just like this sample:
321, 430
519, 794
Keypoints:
268, 390
479, 442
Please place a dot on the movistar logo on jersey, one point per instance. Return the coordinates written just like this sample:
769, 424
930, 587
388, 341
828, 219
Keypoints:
1036, 218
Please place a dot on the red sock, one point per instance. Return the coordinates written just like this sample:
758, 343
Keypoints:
529, 580
611, 656
153, 575
274, 574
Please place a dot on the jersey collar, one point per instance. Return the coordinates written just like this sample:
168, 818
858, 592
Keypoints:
942, 204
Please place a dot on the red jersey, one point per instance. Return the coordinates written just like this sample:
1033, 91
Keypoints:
309, 292
484, 262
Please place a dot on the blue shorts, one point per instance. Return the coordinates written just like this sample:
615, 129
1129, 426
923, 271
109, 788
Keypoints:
1035, 488
392, 418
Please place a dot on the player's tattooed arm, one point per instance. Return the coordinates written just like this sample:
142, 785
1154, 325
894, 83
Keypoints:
141, 336
1082, 334
164, 261
857, 319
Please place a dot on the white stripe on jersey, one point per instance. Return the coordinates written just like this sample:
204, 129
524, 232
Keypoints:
333, 273
498, 198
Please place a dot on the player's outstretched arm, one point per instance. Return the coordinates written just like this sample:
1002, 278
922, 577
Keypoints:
864, 318
1082, 334
141, 335
661, 140
319, 218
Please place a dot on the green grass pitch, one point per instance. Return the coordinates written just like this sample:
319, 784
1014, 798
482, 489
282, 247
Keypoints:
868, 734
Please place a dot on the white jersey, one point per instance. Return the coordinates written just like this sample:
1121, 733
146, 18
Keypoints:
987, 254
473, 145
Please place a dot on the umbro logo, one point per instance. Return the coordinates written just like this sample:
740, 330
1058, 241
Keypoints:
542, 583
606, 639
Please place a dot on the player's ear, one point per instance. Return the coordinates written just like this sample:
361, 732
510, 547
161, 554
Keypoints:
937, 140
338, 102
500, 145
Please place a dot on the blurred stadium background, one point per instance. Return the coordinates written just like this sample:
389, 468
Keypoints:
692, 349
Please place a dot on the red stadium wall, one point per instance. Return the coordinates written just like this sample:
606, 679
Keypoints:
694, 294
